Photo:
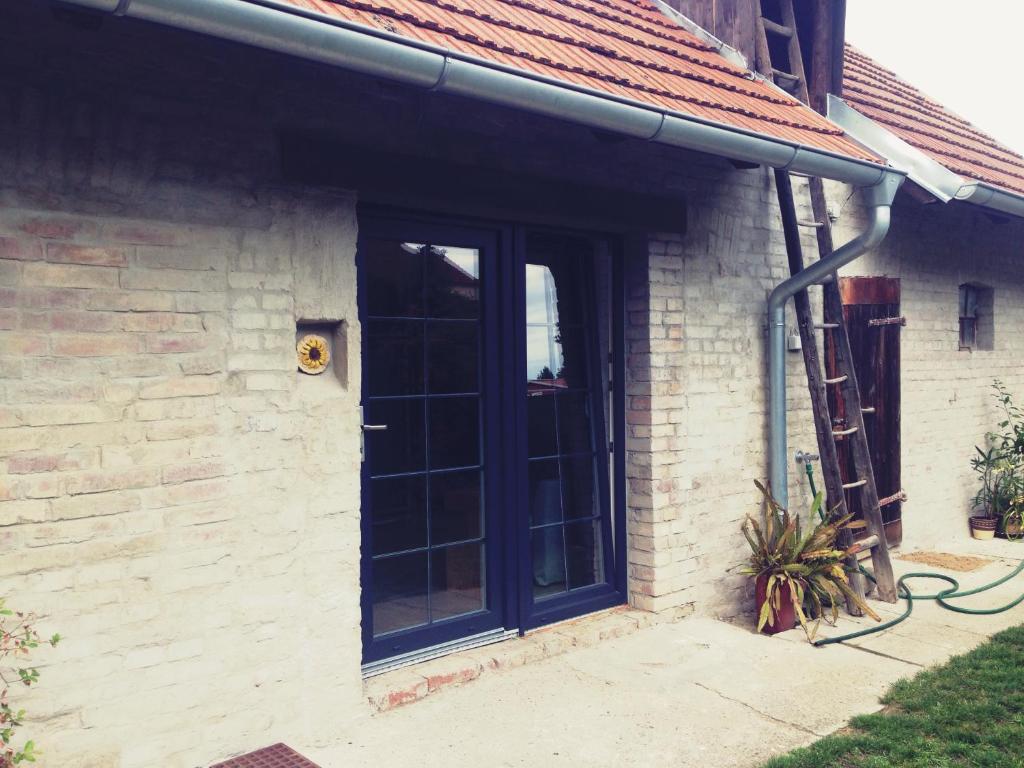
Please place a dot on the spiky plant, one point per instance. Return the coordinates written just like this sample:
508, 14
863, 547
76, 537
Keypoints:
810, 564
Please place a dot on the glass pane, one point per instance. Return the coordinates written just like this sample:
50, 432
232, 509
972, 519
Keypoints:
454, 432
548, 561
399, 448
394, 278
453, 282
541, 306
573, 373
545, 492
457, 580
454, 506
398, 513
583, 552
578, 487
394, 357
543, 357
574, 432
453, 355
540, 425
399, 592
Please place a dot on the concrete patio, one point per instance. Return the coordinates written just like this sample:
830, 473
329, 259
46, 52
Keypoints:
698, 692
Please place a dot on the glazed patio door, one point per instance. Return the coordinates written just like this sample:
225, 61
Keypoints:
486, 500
431, 559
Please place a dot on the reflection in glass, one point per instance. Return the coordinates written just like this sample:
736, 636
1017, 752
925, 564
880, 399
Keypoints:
456, 576
399, 513
453, 282
455, 508
401, 447
394, 357
578, 497
453, 352
394, 279
454, 432
545, 492
548, 561
583, 553
540, 425
399, 592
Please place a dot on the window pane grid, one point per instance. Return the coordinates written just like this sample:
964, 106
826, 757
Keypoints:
447, 317
435, 547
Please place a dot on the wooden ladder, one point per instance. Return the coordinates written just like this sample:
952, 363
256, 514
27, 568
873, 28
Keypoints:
790, 77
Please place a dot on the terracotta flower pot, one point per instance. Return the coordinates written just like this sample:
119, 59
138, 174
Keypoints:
983, 527
785, 616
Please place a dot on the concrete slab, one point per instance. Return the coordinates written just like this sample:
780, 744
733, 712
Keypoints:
699, 692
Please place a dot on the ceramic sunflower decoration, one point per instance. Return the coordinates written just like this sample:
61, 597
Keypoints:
314, 354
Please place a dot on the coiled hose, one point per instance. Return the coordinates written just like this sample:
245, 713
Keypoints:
941, 597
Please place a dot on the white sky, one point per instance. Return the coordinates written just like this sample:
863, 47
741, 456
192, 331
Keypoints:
965, 55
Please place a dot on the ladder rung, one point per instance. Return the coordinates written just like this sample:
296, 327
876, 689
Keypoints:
811, 224
844, 433
867, 410
902, 321
856, 483
778, 29
868, 542
837, 379
900, 496
826, 326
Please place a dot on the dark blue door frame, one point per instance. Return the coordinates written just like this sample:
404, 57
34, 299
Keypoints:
508, 571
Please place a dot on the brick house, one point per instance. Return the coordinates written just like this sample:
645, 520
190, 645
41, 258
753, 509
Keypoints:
536, 238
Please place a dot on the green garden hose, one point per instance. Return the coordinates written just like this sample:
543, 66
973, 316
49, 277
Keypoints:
941, 597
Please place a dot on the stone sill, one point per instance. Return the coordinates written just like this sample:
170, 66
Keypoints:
404, 686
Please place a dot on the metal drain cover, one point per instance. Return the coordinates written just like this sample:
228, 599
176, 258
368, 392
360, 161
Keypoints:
276, 756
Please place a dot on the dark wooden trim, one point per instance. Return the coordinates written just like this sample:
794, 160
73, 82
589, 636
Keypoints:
475, 190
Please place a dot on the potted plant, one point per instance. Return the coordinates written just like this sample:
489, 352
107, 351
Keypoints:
988, 500
796, 574
999, 502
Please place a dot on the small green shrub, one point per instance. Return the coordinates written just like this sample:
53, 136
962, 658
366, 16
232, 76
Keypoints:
18, 639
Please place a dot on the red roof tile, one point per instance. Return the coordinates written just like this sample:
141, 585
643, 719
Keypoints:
947, 138
625, 48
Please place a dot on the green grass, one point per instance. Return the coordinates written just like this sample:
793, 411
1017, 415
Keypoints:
969, 712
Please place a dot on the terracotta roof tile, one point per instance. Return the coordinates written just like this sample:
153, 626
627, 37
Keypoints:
880, 94
626, 48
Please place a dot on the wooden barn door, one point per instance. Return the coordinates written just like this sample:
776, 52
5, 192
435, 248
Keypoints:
876, 358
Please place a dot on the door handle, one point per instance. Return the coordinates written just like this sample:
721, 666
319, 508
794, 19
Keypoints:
374, 427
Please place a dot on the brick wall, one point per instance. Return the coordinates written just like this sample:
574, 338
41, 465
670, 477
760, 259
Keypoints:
946, 402
183, 505
697, 400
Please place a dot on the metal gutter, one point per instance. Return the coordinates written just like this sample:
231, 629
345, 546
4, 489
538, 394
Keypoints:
879, 202
994, 198
319, 37
929, 174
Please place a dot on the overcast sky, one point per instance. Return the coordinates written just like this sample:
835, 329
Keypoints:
965, 55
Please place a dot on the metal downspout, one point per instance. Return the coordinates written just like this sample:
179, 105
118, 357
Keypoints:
879, 201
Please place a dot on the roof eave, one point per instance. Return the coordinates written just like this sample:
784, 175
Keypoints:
316, 36
927, 173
